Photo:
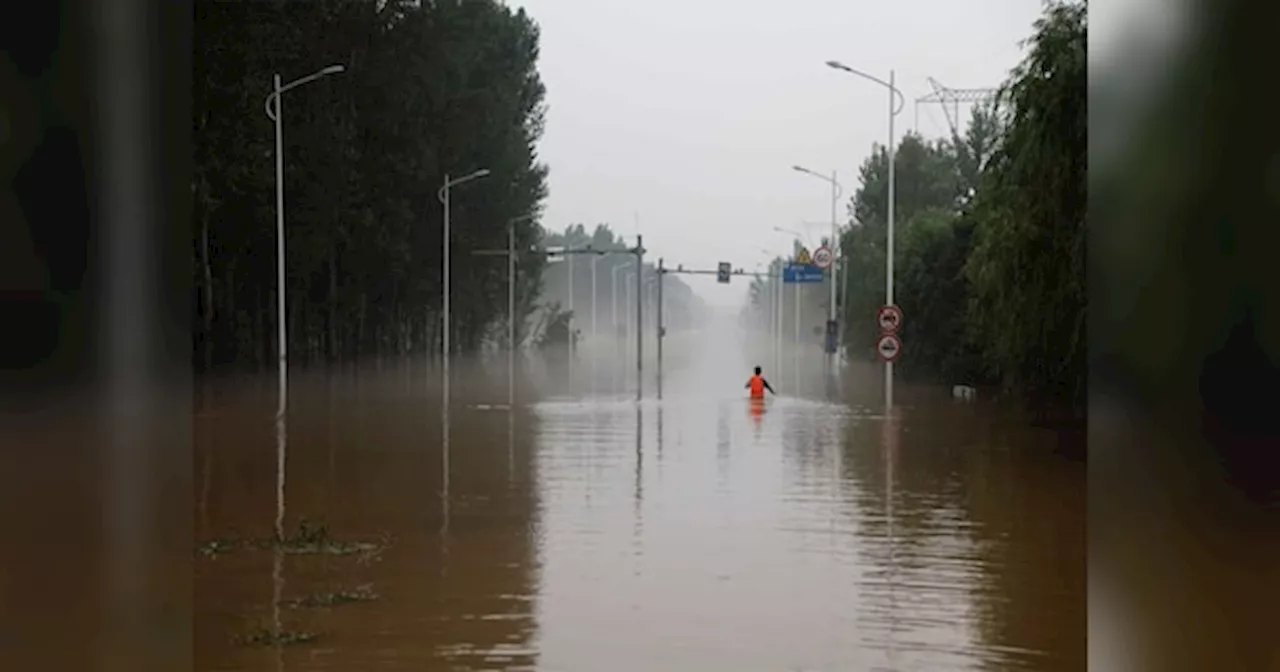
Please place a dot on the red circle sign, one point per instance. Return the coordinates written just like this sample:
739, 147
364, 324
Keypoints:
889, 347
889, 319
822, 257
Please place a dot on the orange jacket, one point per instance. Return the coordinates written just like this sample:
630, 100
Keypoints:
758, 385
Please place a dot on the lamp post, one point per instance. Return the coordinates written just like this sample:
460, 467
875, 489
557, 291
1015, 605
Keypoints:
593, 301
800, 238
274, 113
613, 291
511, 308
443, 195
836, 190
895, 96
510, 254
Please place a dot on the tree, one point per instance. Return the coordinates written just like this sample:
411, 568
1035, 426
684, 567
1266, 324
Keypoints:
1028, 263
429, 88
929, 190
989, 237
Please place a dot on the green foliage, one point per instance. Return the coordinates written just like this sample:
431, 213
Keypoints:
989, 234
1027, 268
430, 89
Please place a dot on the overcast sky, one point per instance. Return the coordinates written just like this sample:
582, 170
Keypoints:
688, 114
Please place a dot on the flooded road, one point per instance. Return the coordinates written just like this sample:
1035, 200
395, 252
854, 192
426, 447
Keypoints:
588, 532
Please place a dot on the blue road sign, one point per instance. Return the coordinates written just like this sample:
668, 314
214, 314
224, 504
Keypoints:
802, 273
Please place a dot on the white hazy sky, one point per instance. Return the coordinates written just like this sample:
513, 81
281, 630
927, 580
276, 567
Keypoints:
687, 115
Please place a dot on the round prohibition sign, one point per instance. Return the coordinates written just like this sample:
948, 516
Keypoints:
889, 347
890, 319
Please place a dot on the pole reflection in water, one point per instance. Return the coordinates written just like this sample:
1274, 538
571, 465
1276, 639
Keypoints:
444, 483
722, 443
281, 448
206, 476
890, 442
277, 568
511, 444
660, 437
639, 496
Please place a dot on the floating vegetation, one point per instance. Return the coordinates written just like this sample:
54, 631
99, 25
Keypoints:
362, 594
309, 539
217, 546
273, 637
315, 540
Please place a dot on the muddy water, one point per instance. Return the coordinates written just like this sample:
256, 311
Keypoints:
692, 532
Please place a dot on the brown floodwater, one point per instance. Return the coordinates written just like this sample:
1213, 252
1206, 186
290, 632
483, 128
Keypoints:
585, 531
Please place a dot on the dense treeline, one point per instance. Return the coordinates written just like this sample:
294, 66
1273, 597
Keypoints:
989, 234
430, 88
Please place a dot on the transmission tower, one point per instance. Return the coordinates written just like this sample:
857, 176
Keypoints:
950, 99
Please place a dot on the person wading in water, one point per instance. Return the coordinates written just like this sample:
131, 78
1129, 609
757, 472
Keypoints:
758, 385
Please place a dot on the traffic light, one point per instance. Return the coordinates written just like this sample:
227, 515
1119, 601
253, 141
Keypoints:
723, 273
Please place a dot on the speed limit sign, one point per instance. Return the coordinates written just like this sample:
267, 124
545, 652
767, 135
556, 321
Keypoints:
822, 257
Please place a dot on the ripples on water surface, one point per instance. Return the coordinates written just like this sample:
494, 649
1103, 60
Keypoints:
696, 532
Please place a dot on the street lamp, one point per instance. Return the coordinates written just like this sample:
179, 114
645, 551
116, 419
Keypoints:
613, 290
443, 195
901, 101
274, 113
780, 229
511, 307
836, 190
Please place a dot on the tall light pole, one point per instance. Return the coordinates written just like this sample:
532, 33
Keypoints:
613, 290
896, 102
443, 195
594, 259
274, 113
629, 300
799, 238
511, 308
510, 254
569, 266
836, 190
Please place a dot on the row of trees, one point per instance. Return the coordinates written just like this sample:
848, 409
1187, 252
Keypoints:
989, 234
430, 88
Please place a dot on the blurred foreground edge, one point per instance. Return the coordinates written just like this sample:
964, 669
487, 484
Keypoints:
1184, 341
95, 467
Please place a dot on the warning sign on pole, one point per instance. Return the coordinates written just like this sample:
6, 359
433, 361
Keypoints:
803, 258
890, 319
889, 347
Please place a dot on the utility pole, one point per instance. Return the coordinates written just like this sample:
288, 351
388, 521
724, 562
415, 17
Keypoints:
510, 253
593, 301
660, 326
570, 320
511, 315
639, 317
638, 253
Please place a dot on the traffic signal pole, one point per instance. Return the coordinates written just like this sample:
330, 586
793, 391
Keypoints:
722, 274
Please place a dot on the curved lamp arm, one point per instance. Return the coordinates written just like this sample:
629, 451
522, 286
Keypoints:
902, 101
331, 70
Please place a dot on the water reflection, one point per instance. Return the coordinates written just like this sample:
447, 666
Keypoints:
939, 536
277, 559
639, 491
356, 465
